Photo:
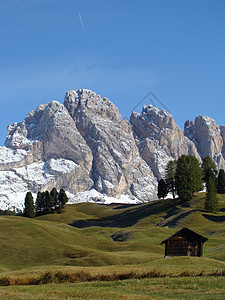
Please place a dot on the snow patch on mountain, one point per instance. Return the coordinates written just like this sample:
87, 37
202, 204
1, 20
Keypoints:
94, 196
38, 176
12, 190
35, 175
8, 155
60, 166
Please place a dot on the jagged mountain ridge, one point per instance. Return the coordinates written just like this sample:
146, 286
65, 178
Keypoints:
208, 137
85, 144
159, 138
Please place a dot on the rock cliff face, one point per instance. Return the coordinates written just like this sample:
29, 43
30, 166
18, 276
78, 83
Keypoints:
222, 131
85, 144
50, 132
208, 138
44, 151
117, 166
159, 138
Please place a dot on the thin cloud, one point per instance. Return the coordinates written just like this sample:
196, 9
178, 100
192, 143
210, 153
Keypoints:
81, 22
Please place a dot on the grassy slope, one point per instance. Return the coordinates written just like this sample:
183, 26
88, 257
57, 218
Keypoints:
153, 288
49, 240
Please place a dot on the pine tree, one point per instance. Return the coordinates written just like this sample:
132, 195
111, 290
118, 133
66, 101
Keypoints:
48, 203
211, 201
63, 197
162, 189
188, 176
170, 176
209, 169
29, 211
55, 196
59, 208
196, 174
39, 203
221, 182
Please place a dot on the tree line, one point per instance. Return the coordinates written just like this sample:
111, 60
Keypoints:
46, 203
186, 175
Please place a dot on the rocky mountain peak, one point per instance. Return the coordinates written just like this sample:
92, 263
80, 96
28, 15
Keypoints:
151, 121
86, 101
207, 136
161, 118
159, 138
20, 135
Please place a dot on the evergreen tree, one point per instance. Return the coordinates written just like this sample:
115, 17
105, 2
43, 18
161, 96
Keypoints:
59, 208
209, 169
188, 176
29, 211
39, 207
162, 189
48, 202
211, 201
55, 196
221, 182
63, 197
170, 176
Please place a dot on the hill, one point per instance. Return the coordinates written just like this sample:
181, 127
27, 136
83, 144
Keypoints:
92, 235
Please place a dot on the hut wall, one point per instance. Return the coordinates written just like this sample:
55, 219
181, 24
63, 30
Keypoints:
178, 246
194, 248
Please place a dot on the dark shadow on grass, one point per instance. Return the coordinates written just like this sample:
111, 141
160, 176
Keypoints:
216, 219
122, 236
122, 206
129, 217
174, 221
173, 211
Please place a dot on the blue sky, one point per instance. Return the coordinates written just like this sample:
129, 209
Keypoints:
120, 49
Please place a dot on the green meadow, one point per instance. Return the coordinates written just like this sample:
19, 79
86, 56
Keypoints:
93, 251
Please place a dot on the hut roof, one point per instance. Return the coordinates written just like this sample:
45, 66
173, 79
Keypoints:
188, 233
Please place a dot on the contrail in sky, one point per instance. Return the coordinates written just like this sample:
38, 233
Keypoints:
81, 22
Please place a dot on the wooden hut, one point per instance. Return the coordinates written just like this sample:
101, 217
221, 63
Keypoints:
184, 242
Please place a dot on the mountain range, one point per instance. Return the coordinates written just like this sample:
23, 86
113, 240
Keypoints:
86, 147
